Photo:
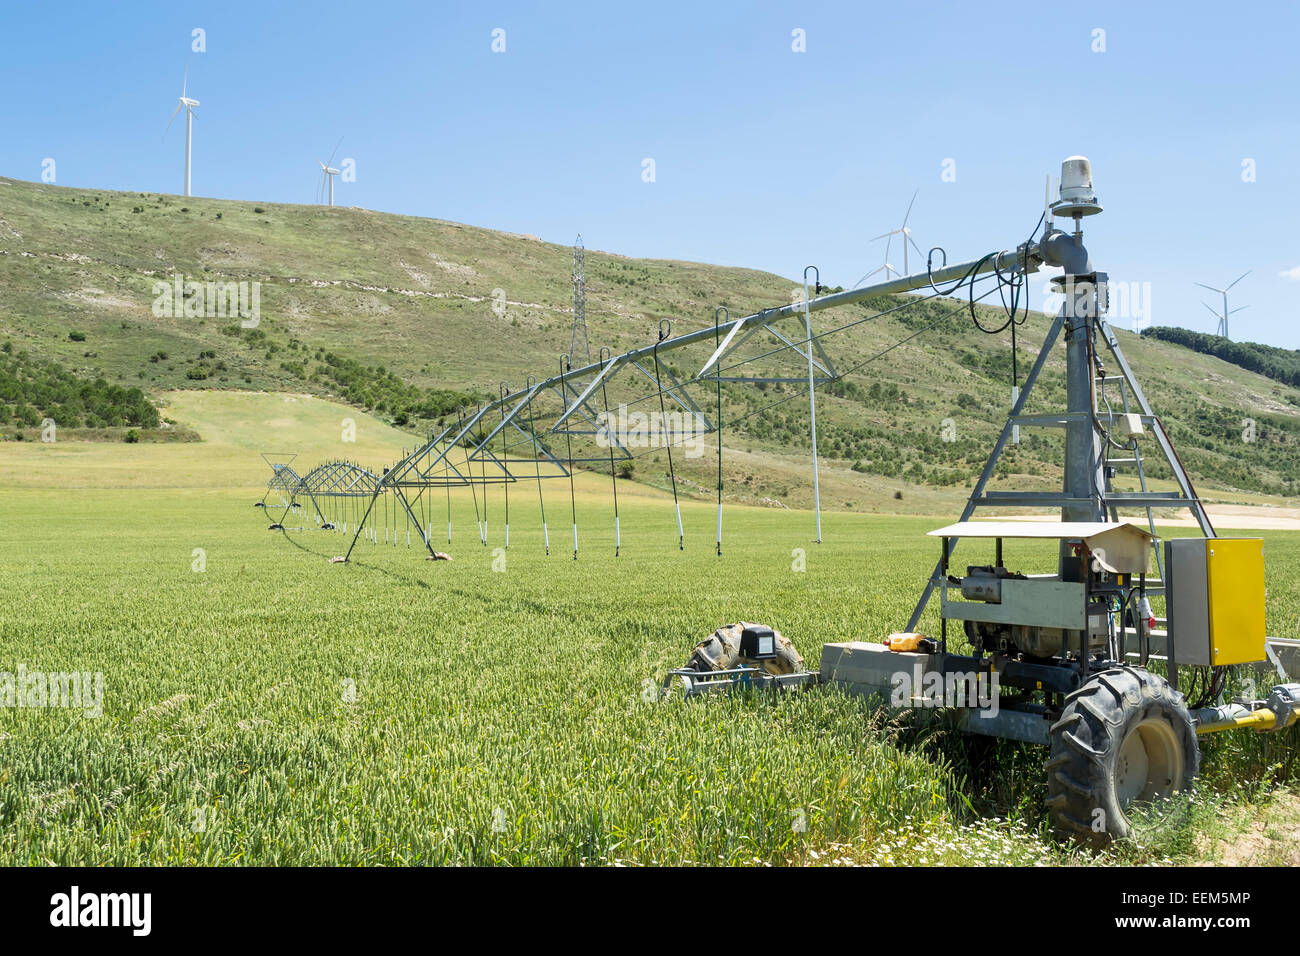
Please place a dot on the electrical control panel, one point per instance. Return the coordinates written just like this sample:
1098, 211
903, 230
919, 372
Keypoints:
1215, 594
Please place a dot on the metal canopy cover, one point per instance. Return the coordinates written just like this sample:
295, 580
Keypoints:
1119, 546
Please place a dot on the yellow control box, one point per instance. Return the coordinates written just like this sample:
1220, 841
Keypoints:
1236, 575
1215, 591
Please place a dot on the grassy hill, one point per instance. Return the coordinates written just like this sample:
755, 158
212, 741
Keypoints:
1280, 364
394, 315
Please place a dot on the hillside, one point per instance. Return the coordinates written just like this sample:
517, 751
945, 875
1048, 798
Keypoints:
395, 315
1282, 365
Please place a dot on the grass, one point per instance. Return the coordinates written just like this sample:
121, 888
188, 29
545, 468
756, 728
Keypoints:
1263, 833
475, 692
272, 707
237, 428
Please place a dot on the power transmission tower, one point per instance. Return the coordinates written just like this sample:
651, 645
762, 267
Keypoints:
579, 351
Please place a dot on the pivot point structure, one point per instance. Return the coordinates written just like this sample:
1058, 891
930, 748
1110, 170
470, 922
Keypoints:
1063, 656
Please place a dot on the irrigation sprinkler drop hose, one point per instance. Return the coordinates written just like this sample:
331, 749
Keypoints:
613, 479
537, 463
716, 339
663, 423
505, 454
565, 367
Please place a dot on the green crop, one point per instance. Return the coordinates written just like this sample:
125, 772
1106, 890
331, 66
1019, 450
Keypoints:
276, 708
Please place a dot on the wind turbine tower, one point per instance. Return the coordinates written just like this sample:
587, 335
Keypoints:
188, 104
906, 234
1223, 316
328, 172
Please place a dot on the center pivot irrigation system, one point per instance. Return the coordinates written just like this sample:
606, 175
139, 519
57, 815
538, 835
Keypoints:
1059, 658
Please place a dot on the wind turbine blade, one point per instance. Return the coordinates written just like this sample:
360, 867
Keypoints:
322, 165
185, 82
909, 208
173, 119
1210, 287
866, 277
334, 150
1238, 279
884, 234
914, 245
1238, 309
1212, 311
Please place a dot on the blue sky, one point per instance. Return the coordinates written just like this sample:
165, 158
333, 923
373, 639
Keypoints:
764, 157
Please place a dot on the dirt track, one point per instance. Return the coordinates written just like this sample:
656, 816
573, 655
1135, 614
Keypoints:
1246, 517
1271, 839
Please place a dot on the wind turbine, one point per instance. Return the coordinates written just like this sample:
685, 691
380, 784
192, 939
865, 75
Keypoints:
188, 104
906, 233
328, 173
1223, 318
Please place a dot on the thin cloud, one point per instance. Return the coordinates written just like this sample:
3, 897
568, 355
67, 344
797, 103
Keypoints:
1291, 274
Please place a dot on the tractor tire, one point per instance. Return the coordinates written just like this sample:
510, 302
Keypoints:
721, 651
1124, 738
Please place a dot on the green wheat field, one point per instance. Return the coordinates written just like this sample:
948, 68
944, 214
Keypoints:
264, 706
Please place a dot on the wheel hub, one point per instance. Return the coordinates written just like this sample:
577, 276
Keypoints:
1150, 762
